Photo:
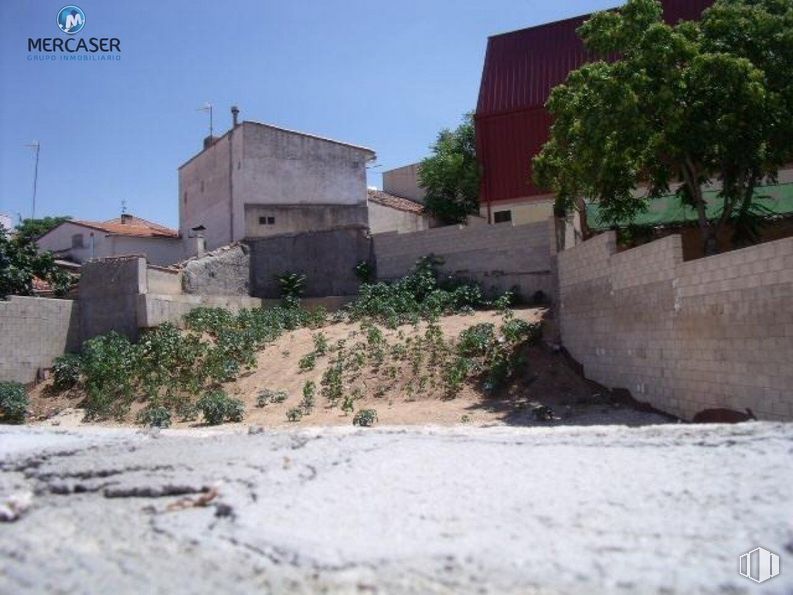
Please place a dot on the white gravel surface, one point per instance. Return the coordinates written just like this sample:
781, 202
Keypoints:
661, 509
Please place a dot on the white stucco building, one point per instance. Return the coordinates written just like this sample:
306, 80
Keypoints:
404, 182
394, 213
260, 180
80, 241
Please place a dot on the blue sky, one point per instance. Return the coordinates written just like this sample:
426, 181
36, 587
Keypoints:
387, 75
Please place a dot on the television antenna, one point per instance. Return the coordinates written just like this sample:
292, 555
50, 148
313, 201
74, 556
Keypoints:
37, 146
207, 107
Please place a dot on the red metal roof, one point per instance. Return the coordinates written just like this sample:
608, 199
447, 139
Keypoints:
520, 70
522, 67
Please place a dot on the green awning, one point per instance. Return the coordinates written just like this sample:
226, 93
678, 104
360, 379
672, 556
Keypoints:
668, 210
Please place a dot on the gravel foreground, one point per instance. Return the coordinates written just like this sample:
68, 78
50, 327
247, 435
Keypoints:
660, 509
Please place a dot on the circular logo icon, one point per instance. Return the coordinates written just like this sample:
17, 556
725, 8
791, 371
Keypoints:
71, 19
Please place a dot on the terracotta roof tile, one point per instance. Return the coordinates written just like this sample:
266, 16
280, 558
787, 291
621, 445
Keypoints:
132, 220
41, 285
135, 227
395, 202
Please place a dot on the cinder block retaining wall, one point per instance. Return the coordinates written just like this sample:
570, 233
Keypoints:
33, 332
326, 258
125, 295
683, 336
500, 256
109, 290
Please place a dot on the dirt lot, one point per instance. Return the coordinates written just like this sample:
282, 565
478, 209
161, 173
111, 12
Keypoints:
546, 379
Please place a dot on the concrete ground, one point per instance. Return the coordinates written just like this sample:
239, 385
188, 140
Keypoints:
659, 509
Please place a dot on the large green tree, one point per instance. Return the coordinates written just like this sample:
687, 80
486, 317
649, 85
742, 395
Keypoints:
450, 176
682, 106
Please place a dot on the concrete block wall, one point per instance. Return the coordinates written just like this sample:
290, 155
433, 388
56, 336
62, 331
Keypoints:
109, 290
33, 332
500, 256
163, 281
126, 295
156, 309
683, 336
327, 259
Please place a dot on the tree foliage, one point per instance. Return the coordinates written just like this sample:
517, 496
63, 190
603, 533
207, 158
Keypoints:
421, 294
13, 403
21, 262
683, 106
451, 175
35, 228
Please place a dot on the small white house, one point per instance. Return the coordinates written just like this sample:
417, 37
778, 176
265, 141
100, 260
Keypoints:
79, 241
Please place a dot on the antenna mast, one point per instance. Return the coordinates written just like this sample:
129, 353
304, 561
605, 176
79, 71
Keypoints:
207, 107
37, 146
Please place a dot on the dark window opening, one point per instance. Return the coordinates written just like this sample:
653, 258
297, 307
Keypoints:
77, 240
185, 198
202, 185
502, 216
266, 220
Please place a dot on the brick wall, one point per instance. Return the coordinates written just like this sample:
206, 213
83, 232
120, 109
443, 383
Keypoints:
683, 336
500, 256
34, 332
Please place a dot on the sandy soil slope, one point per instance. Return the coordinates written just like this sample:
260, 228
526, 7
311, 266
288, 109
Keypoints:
659, 509
547, 379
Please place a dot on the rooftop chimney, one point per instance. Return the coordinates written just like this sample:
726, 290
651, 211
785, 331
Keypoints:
209, 141
126, 219
235, 112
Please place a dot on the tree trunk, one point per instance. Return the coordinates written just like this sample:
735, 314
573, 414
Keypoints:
706, 228
711, 242
580, 205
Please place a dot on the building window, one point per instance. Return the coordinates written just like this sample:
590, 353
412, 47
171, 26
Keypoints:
266, 220
77, 241
202, 185
502, 216
185, 197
